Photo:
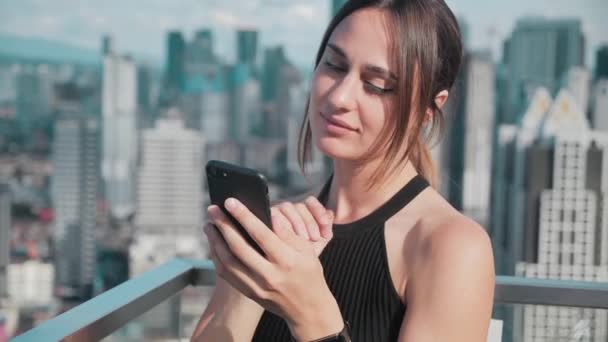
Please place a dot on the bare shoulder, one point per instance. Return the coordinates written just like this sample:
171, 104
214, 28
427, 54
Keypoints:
452, 237
441, 235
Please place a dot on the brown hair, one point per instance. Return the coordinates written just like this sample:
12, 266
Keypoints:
428, 53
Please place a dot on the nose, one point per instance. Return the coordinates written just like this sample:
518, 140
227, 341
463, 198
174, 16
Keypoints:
342, 95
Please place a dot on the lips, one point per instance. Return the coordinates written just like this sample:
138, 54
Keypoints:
338, 122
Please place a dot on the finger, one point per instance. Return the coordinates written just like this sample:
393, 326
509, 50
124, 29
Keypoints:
236, 242
206, 227
322, 216
269, 242
294, 218
280, 225
230, 268
311, 224
327, 231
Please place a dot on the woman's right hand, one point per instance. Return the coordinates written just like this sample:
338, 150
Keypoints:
309, 219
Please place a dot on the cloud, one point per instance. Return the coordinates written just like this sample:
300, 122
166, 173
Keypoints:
303, 11
225, 19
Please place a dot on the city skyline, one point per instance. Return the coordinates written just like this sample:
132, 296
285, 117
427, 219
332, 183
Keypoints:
296, 24
104, 146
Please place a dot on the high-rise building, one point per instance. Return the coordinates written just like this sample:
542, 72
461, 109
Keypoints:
34, 96
336, 5
469, 143
599, 116
5, 236
538, 54
176, 60
215, 113
247, 46
278, 76
200, 59
74, 191
30, 283
170, 190
578, 83
200, 50
145, 105
120, 142
571, 240
107, 45
601, 63
8, 79
549, 216
274, 60
244, 105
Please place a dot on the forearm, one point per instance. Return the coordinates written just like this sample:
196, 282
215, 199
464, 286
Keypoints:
317, 321
230, 316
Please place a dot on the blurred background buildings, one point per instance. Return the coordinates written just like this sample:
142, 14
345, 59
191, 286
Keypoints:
102, 150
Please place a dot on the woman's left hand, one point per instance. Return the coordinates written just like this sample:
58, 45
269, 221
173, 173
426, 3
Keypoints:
289, 281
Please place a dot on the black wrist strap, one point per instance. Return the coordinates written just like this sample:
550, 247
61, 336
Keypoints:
342, 336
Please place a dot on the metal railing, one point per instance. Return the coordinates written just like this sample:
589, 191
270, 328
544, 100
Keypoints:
104, 314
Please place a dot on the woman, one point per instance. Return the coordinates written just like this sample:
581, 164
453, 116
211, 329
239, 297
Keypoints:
377, 254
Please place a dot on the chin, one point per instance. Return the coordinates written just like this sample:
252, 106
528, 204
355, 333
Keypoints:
336, 148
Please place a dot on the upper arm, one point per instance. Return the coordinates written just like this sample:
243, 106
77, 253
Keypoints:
450, 293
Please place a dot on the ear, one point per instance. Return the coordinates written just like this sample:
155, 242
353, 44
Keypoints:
440, 100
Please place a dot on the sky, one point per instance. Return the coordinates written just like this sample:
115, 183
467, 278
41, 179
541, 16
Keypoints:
139, 27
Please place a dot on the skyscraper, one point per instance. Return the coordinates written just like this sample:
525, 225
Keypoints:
34, 96
170, 190
578, 83
144, 97
200, 51
5, 237
176, 59
74, 190
120, 143
601, 63
469, 143
508, 207
599, 116
107, 45
247, 46
244, 105
538, 54
549, 212
278, 76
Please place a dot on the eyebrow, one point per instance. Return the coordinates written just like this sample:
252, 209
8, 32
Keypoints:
380, 71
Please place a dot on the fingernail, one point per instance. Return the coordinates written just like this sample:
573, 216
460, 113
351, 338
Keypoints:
230, 203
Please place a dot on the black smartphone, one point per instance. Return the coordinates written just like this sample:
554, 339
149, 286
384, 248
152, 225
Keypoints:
249, 186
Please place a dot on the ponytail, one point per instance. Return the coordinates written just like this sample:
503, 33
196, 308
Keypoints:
424, 164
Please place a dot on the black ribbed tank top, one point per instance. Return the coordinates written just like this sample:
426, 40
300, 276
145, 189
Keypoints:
356, 270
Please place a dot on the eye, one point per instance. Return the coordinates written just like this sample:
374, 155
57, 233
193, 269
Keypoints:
334, 67
377, 90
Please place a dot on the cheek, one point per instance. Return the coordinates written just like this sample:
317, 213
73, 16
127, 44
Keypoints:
373, 117
320, 86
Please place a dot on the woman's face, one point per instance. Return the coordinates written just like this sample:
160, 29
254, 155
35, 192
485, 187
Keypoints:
352, 87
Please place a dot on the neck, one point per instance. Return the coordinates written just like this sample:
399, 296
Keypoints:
350, 195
